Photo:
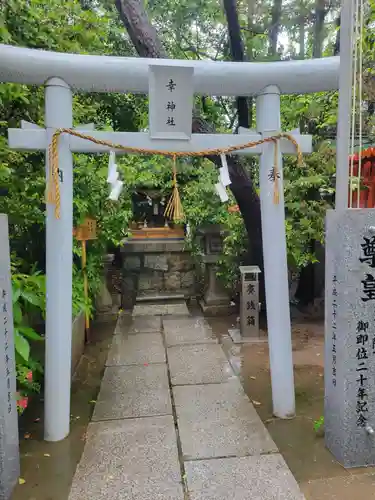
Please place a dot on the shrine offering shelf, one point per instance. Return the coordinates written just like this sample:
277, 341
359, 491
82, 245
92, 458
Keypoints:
157, 233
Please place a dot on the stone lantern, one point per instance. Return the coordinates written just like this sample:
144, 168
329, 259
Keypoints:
215, 300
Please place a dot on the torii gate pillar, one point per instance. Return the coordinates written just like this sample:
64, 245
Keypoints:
59, 250
275, 259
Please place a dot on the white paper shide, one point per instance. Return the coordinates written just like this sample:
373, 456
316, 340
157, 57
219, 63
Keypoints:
113, 178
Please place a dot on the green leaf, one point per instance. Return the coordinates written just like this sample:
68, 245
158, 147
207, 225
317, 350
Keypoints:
16, 293
17, 313
30, 333
21, 345
31, 297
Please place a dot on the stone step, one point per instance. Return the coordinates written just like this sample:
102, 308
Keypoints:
132, 392
198, 364
172, 308
129, 459
218, 420
264, 477
140, 349
162, 297
145, 324
187, 331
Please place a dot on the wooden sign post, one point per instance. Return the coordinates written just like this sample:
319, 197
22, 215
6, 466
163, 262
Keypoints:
85, 232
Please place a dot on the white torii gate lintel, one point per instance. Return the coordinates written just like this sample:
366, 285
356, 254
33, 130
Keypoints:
90, 73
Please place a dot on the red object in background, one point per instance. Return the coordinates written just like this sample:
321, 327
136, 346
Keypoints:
22, 401
367, 186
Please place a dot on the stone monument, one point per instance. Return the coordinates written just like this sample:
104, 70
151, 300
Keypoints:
9, 450
215, 300
350, 336
249, 331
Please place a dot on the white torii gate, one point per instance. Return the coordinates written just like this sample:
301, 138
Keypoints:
62, 73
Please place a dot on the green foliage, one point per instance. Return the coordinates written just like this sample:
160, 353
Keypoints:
28, 301
201, 202
308, 194
318, 424
202, 206
35, 24
234, 251
90, 199
63, 27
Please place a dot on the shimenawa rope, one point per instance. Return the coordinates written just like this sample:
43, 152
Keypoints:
174, 207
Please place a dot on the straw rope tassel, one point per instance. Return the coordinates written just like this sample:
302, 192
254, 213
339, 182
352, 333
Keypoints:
276, 192
174, 209
53, 188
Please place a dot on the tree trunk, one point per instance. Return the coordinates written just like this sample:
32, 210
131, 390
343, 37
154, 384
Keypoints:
251, 8
336, 47
273, 34
320, 14
237, 52
302, 34
141, 32
148, 44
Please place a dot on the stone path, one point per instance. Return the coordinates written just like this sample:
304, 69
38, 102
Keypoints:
172, 422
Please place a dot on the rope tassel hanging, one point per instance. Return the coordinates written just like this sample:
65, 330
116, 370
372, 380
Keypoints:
174, 209
53, 186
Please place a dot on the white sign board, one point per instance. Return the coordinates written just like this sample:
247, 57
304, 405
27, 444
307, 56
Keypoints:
170, 102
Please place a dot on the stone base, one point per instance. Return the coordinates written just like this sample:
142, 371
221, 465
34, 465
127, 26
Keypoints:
238, 339
159, 297
177, 309
218, 309
157, 270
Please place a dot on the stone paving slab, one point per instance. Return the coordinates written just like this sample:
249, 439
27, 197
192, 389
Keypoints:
133, 459
188, 331
179, 309
145, 324
264, 477
136, 350
198, 364
219, 421
133, 391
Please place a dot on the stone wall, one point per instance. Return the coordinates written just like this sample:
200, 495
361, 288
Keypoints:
156, 269
78, 341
